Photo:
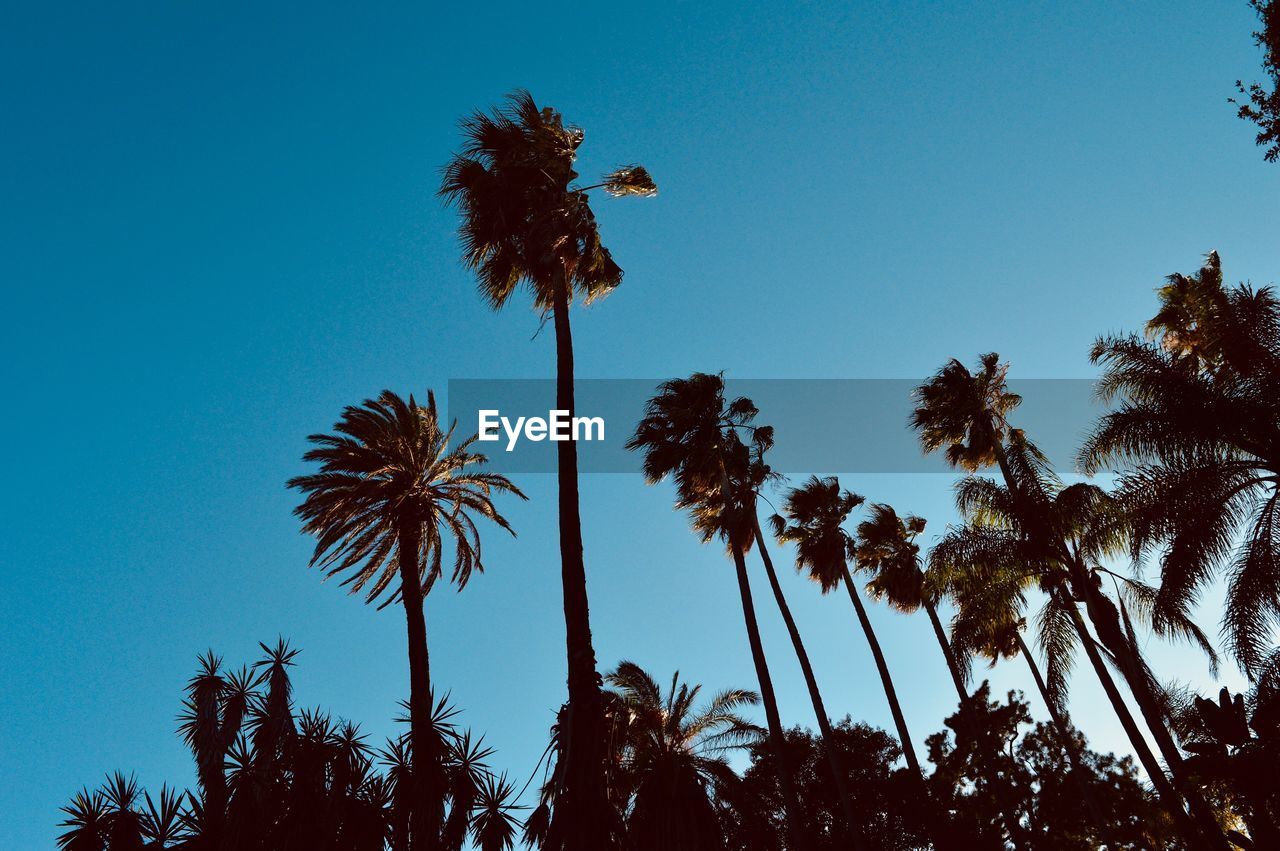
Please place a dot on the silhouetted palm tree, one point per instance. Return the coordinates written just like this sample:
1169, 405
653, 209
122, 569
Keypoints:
1200, 413
391, 487
815, 515
690, 432
887, 549
523, 220
839, 774
674, 758
966, 414
987, 568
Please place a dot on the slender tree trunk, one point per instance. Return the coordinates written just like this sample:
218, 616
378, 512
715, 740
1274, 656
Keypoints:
904, 737
1069, 743
936, 827
777, 740
852, 828
947, 653
1106, 620
583, 822
1159, 779
1155, 772
428, 802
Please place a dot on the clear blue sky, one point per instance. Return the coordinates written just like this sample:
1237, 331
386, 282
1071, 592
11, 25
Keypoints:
219, 226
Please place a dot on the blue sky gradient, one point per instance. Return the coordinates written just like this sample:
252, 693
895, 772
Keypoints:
220, 226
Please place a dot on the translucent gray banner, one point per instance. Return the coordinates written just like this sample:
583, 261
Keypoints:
820, 425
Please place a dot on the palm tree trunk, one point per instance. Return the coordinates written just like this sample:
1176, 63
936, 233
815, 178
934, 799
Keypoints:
777, 741
1069, 743
1158, 778
904, 737
1138, 677
852, 828
582, 812
428, 802
1155, 772
947, 653
936, 828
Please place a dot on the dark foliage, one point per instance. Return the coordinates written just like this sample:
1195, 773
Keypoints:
1263, 107
271, 779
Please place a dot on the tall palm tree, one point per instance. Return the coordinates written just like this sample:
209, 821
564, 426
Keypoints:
839, 773
887, 550
674, 757
815, 515
392, 485
987, 571
1199, 412
524, 220
967, 415
691, 433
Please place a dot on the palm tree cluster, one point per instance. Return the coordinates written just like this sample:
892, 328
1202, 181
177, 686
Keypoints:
1193, 439
270, 777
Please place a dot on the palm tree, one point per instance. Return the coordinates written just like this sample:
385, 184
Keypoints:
815, 515
839, 774
887, 550
1200, 414
674, 758
1035, 532
391, 483
984, 568
690, 432
523, 220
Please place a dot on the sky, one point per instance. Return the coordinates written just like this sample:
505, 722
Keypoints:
220, 226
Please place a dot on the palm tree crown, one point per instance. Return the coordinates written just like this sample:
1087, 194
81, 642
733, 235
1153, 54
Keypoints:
1198, 409
390, 467
886, 549
690, 432
523, 219
965, 412
817, 511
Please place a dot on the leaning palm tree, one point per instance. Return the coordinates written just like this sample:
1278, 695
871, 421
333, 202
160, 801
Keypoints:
392, 486
987, 568
524, 220
887, 550
674, 758
759, 473
1056, 535
815, 514
1199, 413
691, 433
